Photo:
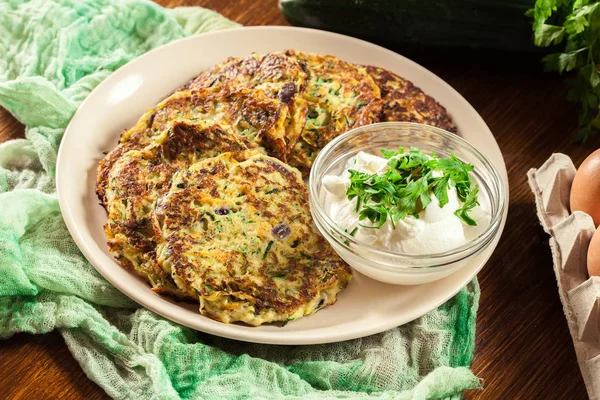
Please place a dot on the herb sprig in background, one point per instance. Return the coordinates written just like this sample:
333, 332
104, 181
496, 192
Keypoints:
577, 24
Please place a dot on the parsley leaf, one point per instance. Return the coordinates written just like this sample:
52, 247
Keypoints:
548, 35
470, 202
414, 158
440, 189
387, 154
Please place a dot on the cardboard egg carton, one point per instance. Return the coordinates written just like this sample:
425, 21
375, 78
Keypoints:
570, 235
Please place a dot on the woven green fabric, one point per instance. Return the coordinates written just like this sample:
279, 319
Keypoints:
53, 54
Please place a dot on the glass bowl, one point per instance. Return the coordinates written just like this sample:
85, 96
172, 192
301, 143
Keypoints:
379, 263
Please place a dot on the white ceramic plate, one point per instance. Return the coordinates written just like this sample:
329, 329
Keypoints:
366, 306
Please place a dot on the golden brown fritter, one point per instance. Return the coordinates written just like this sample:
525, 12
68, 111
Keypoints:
131, 139
279, 75
233, 72
248, 113
239, 235
340, 96
139, 177
403, 101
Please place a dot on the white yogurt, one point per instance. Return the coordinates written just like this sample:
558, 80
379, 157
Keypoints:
436, 230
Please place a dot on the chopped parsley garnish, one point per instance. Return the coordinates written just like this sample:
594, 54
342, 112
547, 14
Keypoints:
407, 186
268, 249
352, 233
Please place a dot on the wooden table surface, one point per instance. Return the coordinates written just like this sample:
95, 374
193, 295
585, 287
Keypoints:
524, 350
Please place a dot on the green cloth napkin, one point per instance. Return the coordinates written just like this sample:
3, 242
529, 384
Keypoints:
54, 52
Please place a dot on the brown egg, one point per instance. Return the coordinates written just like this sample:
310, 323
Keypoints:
593, 257
585, 192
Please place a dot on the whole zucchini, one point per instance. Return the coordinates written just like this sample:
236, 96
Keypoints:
483, 24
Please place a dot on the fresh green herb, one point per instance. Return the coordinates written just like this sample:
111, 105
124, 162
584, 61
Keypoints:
389, 153
469, 203
439, 187
317, 117
406, 187
349, 121
351, 233
280, 274
577, 24
268, 249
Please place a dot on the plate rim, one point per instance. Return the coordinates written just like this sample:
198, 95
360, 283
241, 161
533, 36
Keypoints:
255, 336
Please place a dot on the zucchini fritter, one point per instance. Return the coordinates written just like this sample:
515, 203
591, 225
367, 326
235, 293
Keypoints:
279, 75
239, 236
135, 138
248, 113
403, 101
139, 177
197, 209
340, 96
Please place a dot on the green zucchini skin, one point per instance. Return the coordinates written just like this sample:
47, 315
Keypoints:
478, 24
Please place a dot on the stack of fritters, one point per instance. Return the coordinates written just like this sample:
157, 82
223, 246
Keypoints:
205, 196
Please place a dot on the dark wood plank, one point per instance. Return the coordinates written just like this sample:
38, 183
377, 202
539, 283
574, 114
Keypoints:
524, 350
10, 128
246, 12
41, 367
523, 346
